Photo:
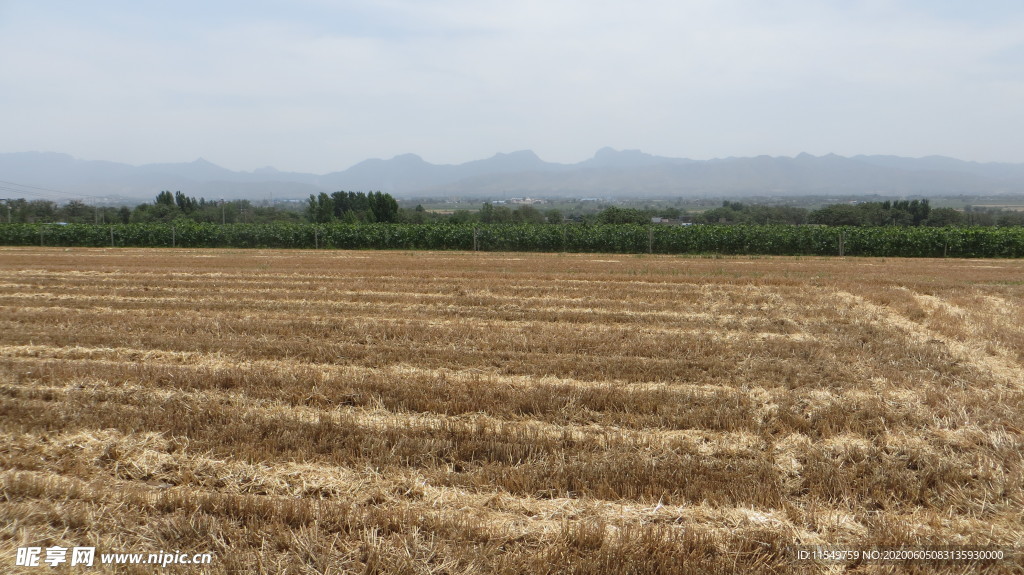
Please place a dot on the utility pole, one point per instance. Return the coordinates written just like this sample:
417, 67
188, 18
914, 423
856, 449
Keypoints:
222, 217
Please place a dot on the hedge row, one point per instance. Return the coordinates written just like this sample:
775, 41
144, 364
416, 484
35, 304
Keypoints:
768, 240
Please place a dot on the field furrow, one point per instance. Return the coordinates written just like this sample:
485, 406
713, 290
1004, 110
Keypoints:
331, 412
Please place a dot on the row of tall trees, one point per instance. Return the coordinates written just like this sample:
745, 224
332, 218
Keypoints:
352, 207
169, 207
899, 213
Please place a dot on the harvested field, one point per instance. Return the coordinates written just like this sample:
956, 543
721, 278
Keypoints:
443, 412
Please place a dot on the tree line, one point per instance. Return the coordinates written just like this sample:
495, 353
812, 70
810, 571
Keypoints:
902, 213
348, 207
167, 207
376, 207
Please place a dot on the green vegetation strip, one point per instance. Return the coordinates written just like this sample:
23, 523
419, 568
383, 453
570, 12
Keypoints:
982, 242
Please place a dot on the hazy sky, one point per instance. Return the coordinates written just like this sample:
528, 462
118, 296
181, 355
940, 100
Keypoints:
317, 86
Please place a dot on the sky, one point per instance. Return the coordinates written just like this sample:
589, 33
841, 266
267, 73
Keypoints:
317, 86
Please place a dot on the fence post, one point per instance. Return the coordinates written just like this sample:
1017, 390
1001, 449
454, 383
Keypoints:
174, 237
650, 240
111, 236
476, 239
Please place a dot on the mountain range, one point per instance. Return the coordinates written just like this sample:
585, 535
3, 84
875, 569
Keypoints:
610, 173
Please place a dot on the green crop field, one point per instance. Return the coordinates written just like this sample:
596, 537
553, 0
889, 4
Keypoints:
1006, 242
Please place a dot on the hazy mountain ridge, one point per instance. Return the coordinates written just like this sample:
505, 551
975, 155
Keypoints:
609, 173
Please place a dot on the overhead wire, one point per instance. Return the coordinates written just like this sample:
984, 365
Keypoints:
23, 192
19, 189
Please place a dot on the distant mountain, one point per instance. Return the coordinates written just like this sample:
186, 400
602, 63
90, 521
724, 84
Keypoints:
609, 173
611, 159
944, 164
114, 182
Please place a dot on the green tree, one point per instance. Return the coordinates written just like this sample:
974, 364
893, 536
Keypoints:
461, 217
527, 214
420, 214
320, 208
487, 213
163, 209
945, 217
185, 204
40, 211
76, 212
670, 213
614, 215
383, 206
165, 198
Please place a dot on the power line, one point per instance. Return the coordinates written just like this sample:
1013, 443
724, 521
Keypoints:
52, 191
24, 192
33, 187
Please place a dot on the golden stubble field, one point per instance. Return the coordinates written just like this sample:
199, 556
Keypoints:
432, 412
